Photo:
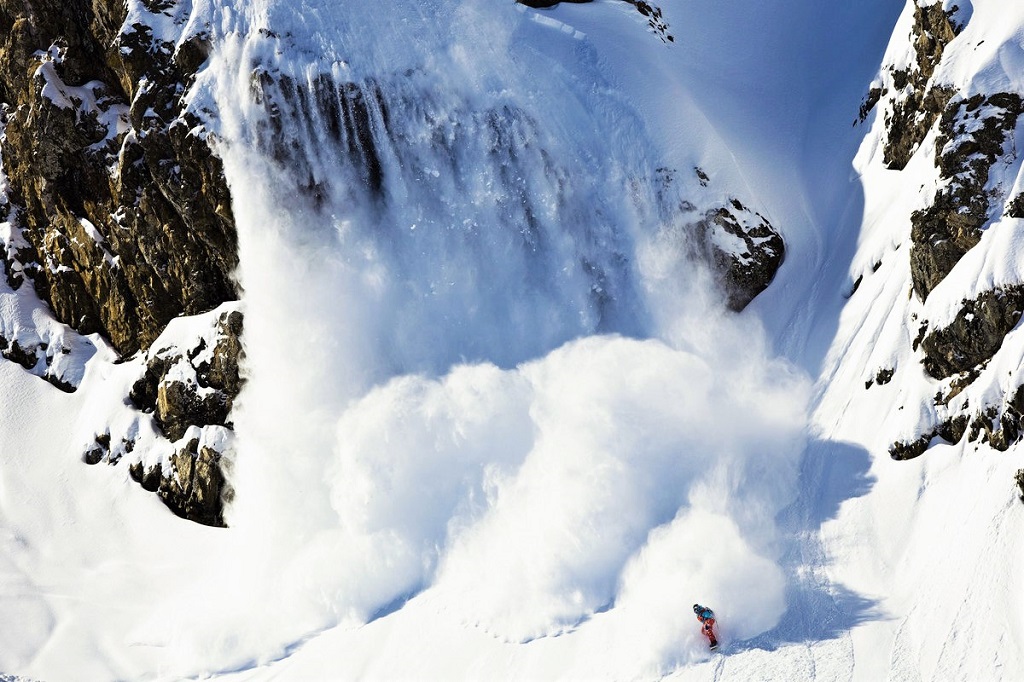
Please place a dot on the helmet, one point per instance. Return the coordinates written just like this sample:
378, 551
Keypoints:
696, 608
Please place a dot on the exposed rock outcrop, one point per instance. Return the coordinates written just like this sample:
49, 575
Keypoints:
116, 209
881, 378
193, 486
738, 245
950, 431
123, 208
918, 103
185, 393
1000, 426
976, 333
38, 358
744, 250
972, 135
184, 396
197, 388
1015, 207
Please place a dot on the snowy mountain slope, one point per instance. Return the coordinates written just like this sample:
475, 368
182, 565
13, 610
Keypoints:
497, 422
113, 205
966, 165
941, 528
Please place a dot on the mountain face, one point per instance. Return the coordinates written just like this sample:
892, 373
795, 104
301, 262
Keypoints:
120, 216
117, 211
477, 338
951, 128
123, 206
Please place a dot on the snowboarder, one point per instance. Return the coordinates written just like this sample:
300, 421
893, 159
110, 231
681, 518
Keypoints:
707, 618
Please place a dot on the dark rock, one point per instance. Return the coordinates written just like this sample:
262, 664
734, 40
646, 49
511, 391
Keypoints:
702, 177
162, 216
223, 371
909, 123
13, 351
207, 395
959, 383
746, 271
922, 331
934, 29
914, 112
37, 358
868, 105
1019, 479
192, 387
882, 377
654, 18
60, 384
1000, 426
975, 334
149, 478
942, 233
100, 451
194, 489
1015, 208
901, 450
856, 285
193, 52
900, 78
180, 405
143, 393
1000, 431
951, 431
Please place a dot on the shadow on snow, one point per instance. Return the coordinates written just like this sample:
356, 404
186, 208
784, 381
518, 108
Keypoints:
819, 610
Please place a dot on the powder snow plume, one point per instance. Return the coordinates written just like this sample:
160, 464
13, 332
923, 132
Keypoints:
482, 372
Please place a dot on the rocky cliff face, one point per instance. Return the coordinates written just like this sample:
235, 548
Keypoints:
116, 212
961, 134
123, 208
916, 101
174, 430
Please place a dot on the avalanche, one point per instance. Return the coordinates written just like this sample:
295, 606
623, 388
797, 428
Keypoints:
498, 422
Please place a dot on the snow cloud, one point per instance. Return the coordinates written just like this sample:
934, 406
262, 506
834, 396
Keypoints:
489, 380
635, 467
607, 485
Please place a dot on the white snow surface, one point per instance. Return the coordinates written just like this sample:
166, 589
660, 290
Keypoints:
461, 454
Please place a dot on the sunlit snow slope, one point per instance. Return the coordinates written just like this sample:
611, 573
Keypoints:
936, 543
497, 422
